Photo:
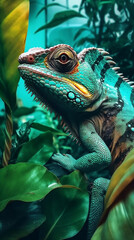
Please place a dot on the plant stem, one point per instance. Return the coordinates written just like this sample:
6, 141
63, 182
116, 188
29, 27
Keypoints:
46, 43
8, 136
102, 15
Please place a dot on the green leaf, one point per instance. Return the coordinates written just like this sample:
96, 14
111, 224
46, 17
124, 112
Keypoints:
59, 18
76, 179
25, 182
19, 219
38, 150
68, 208
14, 21
44, 128
21, 111
51, 5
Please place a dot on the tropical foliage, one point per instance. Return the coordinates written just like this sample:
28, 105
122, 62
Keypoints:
37, 203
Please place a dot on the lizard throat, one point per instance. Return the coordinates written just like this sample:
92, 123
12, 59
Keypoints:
77, 86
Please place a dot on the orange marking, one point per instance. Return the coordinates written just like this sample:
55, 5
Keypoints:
45, 62
75, 70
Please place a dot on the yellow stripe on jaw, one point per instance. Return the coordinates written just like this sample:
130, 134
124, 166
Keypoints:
79, 87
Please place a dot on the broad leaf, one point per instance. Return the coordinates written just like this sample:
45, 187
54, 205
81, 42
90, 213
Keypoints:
66, 211
38, 150
14, 21
26, 182
59, 18
19, 219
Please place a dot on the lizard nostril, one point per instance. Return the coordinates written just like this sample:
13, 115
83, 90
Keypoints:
23, 58
30, 59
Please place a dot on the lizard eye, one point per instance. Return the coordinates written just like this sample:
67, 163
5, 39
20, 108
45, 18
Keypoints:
63, 58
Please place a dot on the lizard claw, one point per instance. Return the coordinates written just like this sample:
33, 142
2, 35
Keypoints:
65, 160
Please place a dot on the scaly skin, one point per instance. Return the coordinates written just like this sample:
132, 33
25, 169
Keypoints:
95, 102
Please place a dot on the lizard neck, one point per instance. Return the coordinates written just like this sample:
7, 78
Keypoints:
114, 99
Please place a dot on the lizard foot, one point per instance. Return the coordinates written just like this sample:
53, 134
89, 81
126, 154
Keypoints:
65, 160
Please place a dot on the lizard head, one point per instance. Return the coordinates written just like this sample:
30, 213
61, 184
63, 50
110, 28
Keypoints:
61, 78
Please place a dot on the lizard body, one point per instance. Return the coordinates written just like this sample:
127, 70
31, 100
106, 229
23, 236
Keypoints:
96, 104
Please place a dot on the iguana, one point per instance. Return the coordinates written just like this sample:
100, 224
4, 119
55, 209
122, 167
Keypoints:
95, 101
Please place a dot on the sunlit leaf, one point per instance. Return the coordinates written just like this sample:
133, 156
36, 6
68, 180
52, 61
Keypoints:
37, 150
68, 207
59, 18
14, 21
19, 219
26, 182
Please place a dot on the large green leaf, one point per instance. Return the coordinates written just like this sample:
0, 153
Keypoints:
14, 21
38, 150
19, 219
66, 210
26, 182
59, 18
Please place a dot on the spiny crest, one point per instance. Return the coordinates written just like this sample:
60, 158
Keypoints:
100, 62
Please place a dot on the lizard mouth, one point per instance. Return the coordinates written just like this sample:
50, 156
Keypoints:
77, 86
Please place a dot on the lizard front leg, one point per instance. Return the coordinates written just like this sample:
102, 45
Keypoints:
98, 157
